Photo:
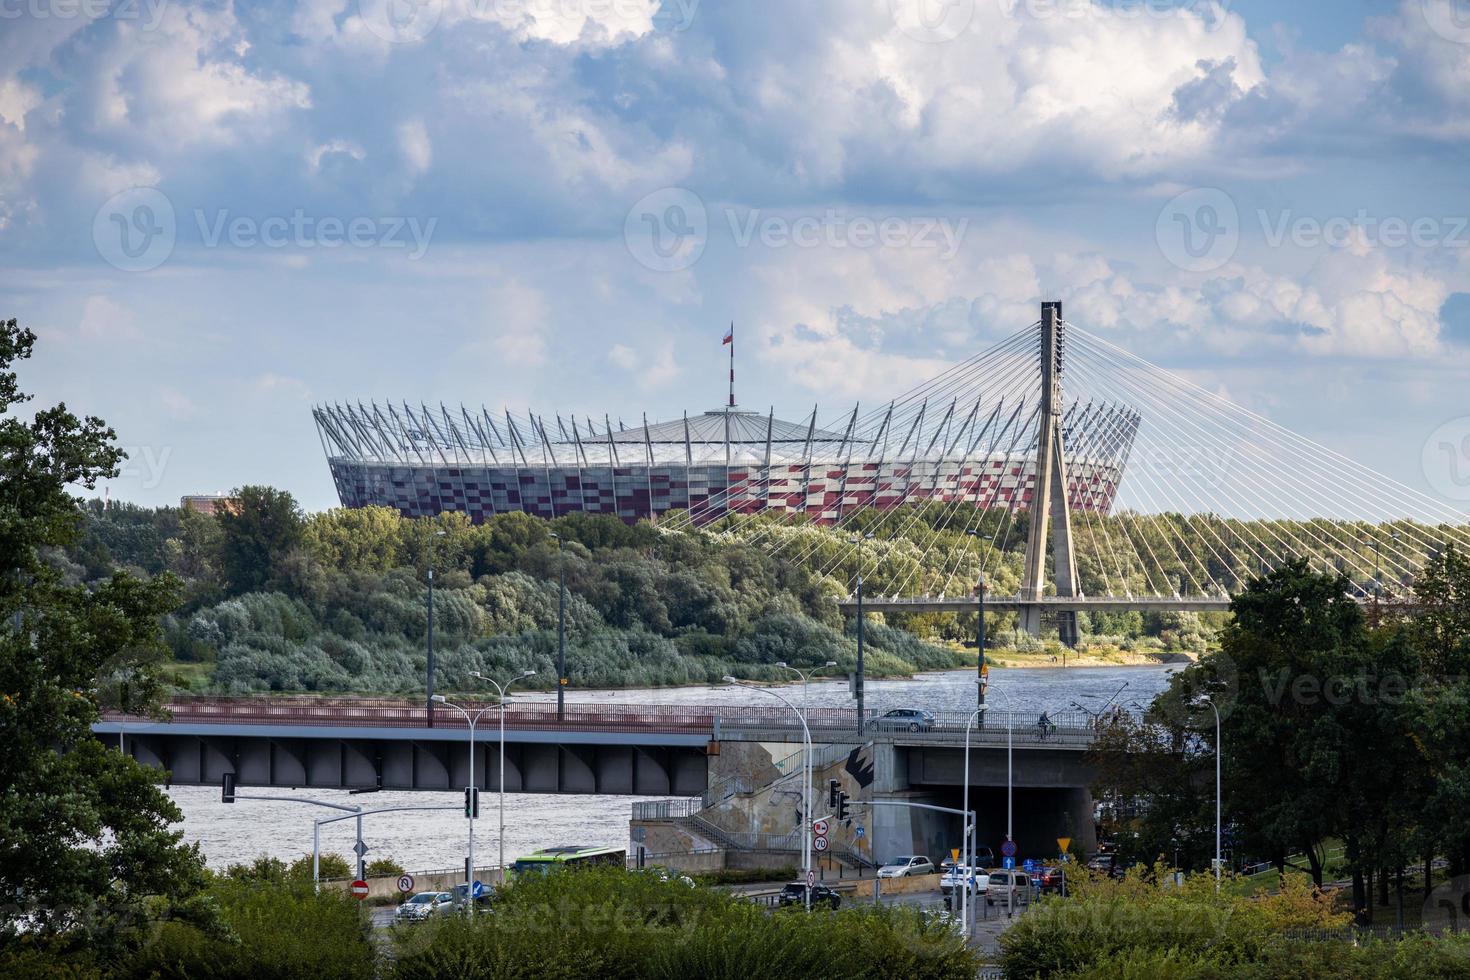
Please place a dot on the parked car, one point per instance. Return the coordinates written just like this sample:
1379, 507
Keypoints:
985, 858
423, 905
1005, 887
1047, 880
1107, 864
954, 880
795, 894
907, 866
462, 893
904, 720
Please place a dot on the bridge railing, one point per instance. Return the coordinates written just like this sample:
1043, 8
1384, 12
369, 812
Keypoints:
828, 724
667, 809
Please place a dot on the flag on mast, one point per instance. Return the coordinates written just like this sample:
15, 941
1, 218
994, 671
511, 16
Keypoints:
730, 342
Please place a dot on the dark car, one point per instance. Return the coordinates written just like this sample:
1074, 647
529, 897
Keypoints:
795, 894
1047, 879
1107, 864
904, 720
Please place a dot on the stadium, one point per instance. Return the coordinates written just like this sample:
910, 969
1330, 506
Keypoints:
423, 462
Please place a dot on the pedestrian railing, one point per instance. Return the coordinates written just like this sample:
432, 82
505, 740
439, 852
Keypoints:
667, 809
748, 722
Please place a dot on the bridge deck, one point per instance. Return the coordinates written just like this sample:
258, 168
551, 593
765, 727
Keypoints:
957, 604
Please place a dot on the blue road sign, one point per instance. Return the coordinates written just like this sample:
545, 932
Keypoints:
1029, 864
1008, 863
478, 889
1008, 848
860, 833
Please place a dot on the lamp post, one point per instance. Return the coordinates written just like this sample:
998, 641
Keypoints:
979, 635
858, 540
1010, 729
1206, 699
473, 802
500, 690
804, 675
429, 664
806, 786
561, 628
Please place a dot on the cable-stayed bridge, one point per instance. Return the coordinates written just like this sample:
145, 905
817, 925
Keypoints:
1068, 474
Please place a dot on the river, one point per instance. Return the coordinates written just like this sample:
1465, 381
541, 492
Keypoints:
433, 840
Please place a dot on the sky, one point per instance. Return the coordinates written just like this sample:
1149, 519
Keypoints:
216, 215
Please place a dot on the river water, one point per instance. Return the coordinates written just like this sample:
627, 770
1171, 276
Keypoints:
435, 840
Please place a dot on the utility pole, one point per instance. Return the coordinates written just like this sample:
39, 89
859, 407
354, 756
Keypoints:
858, 682
561, 628
1049, 509
429, 670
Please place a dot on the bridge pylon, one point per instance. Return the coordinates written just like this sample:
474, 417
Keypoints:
1051, 516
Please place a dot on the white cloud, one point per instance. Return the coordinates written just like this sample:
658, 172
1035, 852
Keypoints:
105, 320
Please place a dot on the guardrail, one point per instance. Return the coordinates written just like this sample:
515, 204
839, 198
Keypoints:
834, 725
667, 809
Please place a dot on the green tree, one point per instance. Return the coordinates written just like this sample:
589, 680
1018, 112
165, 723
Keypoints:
258, 530
84, 830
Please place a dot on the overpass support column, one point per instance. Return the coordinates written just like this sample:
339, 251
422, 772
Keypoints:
1050, 515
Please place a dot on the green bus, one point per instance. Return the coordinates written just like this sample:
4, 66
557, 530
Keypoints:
553, 858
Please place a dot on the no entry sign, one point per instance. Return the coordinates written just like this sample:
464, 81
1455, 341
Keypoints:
359, 889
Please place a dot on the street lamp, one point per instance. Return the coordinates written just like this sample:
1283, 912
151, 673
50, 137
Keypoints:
806, 786
473, 802
561, 628
1206, 699
858, 540
1010, 728
500, 690
979, 633
429, 664
804, 675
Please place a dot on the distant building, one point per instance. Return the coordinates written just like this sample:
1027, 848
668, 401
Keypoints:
207, 503
423, 462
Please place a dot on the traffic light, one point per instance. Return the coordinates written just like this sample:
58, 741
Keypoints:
472, 802
227, 788
842, 806
832, 794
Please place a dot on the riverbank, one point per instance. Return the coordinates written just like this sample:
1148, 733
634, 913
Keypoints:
1047, 659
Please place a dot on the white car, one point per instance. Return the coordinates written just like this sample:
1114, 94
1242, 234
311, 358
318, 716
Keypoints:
908, 866
954, 880
423, 905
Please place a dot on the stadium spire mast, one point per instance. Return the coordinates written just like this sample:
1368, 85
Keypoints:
730, 342
1049, 504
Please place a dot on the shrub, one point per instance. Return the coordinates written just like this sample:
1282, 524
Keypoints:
611, 923
279, 931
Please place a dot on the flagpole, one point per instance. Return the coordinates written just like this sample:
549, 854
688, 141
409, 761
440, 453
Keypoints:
732, 363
